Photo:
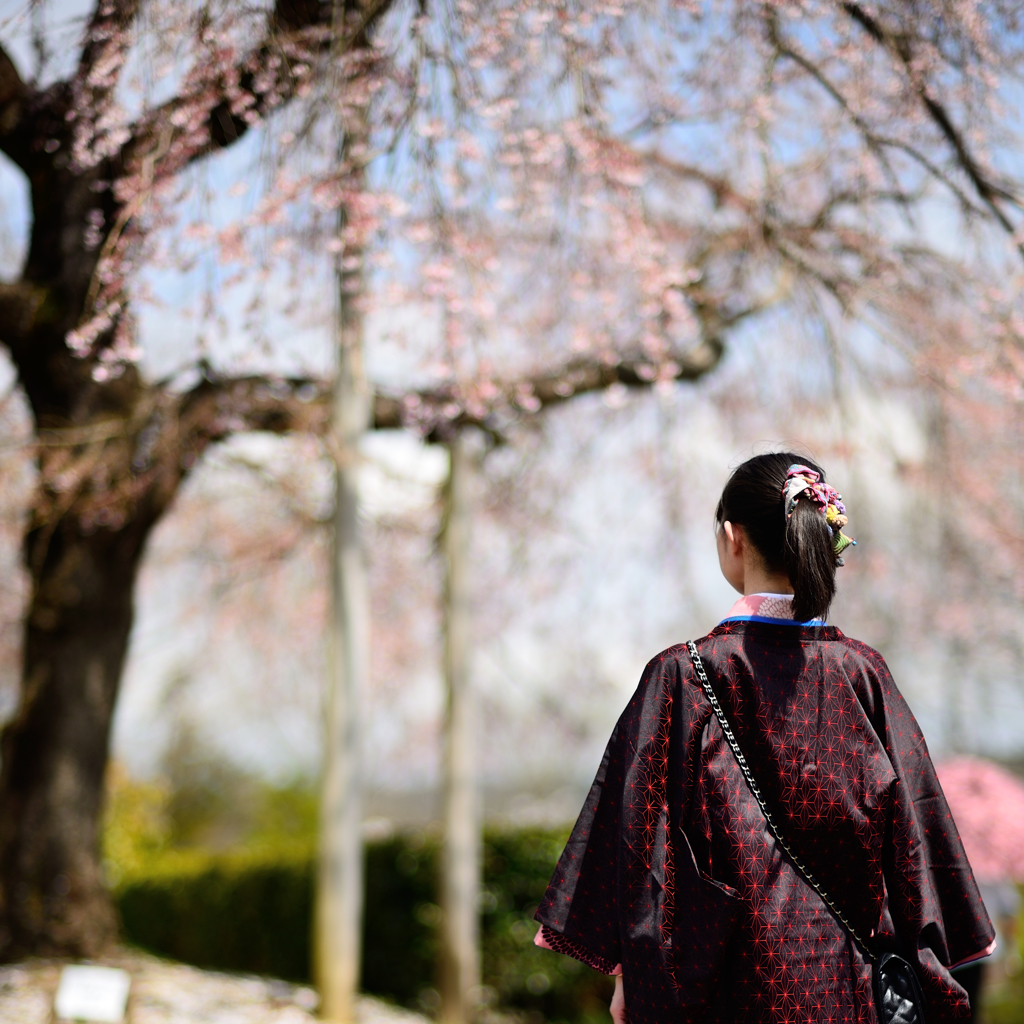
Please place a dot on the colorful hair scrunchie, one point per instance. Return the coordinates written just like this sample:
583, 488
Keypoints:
804, 482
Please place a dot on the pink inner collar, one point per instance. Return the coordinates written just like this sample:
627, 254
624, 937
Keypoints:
765, 606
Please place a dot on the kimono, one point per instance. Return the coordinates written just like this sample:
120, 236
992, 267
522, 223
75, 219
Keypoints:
672, 877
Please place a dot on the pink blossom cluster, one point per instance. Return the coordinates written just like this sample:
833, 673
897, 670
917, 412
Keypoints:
618, 181
987, 803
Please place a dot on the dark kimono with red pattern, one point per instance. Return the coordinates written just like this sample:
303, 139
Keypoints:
671, 870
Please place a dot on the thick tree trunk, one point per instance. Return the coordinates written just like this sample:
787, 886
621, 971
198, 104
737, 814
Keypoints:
52, 897
114, 448
102, 486
460, 877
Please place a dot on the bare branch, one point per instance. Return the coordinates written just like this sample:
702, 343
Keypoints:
988, 190
876, 142
219, 407
788, 50
723, 191
965, 201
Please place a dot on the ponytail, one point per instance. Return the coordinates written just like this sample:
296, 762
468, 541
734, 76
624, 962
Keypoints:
809, 560
802, 546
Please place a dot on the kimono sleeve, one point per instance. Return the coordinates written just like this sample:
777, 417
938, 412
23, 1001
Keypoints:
579, 912
614, 878
934, 900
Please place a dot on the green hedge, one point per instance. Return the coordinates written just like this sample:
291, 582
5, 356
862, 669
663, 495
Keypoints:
233, 912
252, 913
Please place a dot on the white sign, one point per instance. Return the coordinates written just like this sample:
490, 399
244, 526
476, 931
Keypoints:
92, 994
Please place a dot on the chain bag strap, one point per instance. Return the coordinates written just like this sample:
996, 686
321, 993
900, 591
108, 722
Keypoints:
897, 991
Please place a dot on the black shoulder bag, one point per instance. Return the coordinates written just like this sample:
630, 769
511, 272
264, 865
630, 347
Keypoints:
898, 993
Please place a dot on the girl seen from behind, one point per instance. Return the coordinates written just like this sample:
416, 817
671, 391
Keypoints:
766, 830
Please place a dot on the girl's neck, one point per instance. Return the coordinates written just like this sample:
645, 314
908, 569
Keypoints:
743, 566
757, 581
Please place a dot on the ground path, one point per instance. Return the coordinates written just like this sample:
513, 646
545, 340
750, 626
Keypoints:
164, 992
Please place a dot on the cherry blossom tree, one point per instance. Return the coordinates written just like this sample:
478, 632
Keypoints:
112, 448
595, 196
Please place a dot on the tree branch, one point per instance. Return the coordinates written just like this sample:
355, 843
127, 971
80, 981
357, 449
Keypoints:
106, 46
15, 99
218, 407
437, 413
18, 304
213, 114
786, 49
85, 106
988, 190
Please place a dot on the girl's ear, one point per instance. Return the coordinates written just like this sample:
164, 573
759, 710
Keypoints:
734, 537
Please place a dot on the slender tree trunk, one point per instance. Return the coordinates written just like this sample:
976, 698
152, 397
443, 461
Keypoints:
947, 564
460, 883
339, 899
52, 897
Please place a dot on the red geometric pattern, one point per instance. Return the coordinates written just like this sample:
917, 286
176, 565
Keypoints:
671, 870
560, 944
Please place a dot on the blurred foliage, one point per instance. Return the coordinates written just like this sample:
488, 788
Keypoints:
250, 908
1003, 989
540, 984
200, 802
215, 805
135, 828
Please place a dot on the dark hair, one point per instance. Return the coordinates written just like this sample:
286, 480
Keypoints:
801, 546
